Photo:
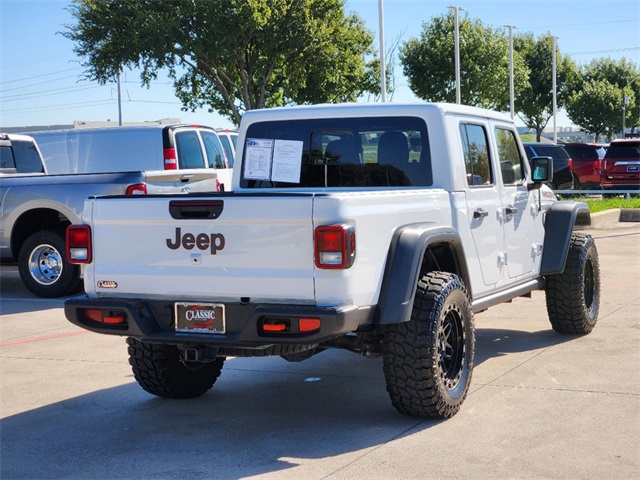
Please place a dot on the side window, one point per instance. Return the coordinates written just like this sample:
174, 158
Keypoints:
27, 157
476, 155
188, 150
215, 152
226, 145
511, 165
6, 157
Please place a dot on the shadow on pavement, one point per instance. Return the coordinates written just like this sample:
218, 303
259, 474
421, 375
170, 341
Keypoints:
15, 298
254, 421
493, 343
261, 416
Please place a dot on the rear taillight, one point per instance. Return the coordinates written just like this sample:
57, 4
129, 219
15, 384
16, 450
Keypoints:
290, 326
335, 246
597, 165
112, 318
136, 189
170, 159
79, 244
109, 317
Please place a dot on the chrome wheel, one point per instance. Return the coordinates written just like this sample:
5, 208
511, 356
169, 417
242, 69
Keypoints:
45, 264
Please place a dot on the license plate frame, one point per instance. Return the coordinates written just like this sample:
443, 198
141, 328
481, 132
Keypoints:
197, 317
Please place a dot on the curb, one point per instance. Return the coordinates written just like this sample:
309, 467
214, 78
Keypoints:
609, 218
630, 215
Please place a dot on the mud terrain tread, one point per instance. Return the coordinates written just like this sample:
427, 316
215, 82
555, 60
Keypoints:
567, 306
411, 355
160, 371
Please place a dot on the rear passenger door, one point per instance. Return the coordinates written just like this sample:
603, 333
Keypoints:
482, 198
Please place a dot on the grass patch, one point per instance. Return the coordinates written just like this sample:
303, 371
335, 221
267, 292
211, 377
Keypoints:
600, 205
528, 137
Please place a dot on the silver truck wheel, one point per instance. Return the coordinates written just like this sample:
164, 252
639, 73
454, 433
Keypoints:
45, 264
428, 361
43, 267
573, 296
160, 370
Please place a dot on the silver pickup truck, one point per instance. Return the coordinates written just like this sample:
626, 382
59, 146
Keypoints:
36, 208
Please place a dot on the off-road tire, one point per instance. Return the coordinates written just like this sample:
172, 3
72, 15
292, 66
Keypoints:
573, 296
428, 361
43, 265
160, 370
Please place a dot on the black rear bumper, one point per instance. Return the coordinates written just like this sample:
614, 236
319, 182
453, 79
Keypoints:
154, 322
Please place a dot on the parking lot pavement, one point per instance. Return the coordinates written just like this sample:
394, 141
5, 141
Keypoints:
541, 405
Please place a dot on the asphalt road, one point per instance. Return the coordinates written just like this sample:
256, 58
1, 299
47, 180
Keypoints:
541, 405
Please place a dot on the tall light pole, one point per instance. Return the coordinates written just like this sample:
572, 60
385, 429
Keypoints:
119, 101
553, 87
457, 41
511, 87
383, 67
625, 102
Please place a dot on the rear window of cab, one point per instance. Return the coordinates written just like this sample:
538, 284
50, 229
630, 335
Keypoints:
337, 152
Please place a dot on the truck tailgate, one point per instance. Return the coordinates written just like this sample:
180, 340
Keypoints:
258, 247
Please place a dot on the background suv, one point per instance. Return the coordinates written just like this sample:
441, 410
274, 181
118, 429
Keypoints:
585, 163
621, 165
562, 176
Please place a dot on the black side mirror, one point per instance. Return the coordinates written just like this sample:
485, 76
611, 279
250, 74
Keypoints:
541, 171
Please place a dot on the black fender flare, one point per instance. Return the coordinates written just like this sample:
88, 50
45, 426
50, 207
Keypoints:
404, 262
558, 225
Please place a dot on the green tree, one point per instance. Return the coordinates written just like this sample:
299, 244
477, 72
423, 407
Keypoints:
534, 100
429, 63
596, 107
623, 75
229, 55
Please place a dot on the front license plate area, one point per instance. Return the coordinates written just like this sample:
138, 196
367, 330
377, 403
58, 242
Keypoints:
200, 317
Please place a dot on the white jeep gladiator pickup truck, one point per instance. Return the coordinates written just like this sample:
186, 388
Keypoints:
380, 229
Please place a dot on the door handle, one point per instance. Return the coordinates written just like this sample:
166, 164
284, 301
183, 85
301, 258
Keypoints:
510, 210
480, 213
195, 209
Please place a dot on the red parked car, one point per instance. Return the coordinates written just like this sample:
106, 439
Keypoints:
620, 169
585, 163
